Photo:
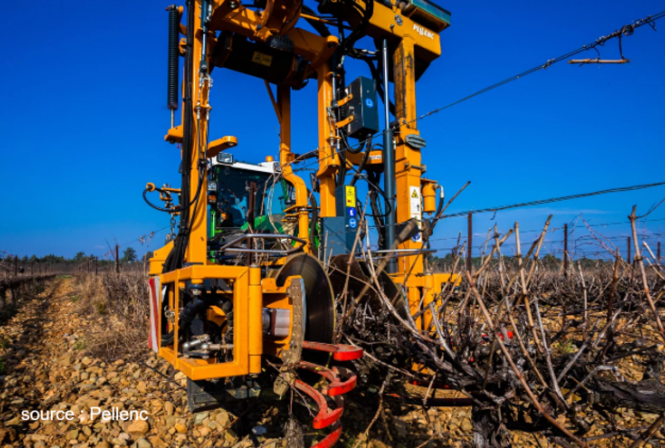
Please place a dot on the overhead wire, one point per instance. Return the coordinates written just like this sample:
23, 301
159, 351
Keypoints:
625, 30
556, 229
558, 199
150, 234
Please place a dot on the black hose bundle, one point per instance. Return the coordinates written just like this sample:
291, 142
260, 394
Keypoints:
175, 259
363, 162
195, 307
172, 81
359, 31
313, 221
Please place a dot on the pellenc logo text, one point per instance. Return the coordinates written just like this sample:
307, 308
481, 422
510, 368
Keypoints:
423, 32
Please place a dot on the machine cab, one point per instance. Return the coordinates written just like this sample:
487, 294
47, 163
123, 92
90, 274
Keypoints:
241, 193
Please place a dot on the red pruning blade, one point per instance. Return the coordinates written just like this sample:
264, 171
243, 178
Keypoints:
325, 417
331, 438
337, 386
340, 352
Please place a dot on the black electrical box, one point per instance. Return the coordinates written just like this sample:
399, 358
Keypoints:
237, 53
363, 107
338, 237
339, 233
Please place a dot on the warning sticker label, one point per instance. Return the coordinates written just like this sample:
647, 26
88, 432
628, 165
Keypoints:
416, 211
261, 58
350, 196
415, 203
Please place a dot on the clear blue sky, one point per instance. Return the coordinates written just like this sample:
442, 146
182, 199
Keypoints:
84, 91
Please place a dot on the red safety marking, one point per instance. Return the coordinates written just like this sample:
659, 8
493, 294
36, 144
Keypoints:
330, 439
325, 416
340, 352
154, 289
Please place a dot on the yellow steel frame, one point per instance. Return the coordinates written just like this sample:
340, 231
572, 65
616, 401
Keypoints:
286, 157
250, 292
198, 369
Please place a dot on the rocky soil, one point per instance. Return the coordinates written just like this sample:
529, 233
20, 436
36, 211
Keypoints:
46, 364
46, 367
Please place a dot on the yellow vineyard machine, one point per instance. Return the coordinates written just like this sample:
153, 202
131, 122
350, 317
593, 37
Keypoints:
240, 293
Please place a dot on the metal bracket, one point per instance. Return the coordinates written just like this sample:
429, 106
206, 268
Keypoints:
346, 121
296, 292
422, 168
415, 141
291, 356
230, 246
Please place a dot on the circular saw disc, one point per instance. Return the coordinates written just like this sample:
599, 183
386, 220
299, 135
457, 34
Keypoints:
319, 298
359, 276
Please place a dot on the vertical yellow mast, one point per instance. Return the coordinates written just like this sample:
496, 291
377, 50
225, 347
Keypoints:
196, 248
286, 157
328, 157
408, 160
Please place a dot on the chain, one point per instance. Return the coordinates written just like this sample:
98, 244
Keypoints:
171, 236
169, 314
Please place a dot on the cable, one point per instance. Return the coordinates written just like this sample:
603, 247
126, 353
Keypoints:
626, 30
359, 171
559, 199
180, 207
152, 234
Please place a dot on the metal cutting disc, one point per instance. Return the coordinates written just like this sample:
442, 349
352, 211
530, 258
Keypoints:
359, 276
319, 298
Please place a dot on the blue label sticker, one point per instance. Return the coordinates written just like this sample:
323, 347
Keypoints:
351, 212
369, 102
415, 238
353, 223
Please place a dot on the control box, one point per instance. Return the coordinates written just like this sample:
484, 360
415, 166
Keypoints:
339, 233
363, 107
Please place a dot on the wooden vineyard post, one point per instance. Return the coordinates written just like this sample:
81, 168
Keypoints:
628, 256
469, 243
565, 250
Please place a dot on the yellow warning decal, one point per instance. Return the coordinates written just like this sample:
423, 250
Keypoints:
261, 58
350, 196
414, 194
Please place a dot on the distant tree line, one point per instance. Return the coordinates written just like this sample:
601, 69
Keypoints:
128, 256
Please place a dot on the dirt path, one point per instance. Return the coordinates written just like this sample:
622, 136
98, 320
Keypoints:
47, 367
